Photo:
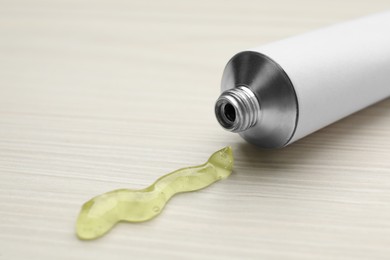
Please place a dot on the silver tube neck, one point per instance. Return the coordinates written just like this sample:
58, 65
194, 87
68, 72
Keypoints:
237, 109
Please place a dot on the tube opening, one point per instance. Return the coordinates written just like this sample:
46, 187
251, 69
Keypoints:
229, 112
237, 109
226, 114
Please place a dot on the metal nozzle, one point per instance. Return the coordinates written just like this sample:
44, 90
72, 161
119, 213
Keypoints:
237, 109
251, 77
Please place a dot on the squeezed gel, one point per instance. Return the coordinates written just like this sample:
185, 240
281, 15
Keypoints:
102, 212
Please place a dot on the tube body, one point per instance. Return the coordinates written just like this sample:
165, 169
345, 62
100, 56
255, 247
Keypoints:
331, 73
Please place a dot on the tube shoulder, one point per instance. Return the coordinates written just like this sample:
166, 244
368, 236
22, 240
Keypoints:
278, 115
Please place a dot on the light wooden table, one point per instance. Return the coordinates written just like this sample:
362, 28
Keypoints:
100, 95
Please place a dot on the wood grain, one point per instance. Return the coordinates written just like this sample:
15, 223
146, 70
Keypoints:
99, 95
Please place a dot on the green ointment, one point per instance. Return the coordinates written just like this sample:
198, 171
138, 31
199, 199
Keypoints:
102, 212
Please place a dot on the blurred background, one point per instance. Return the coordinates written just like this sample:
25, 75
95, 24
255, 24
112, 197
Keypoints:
100, 95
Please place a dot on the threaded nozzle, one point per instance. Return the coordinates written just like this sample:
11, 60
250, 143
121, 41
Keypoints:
237, 109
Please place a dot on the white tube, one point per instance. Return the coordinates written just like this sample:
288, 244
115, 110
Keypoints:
334, 71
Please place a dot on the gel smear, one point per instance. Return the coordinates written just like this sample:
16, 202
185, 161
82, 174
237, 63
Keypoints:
102, 212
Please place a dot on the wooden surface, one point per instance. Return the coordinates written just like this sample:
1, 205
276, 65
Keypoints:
100, 95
